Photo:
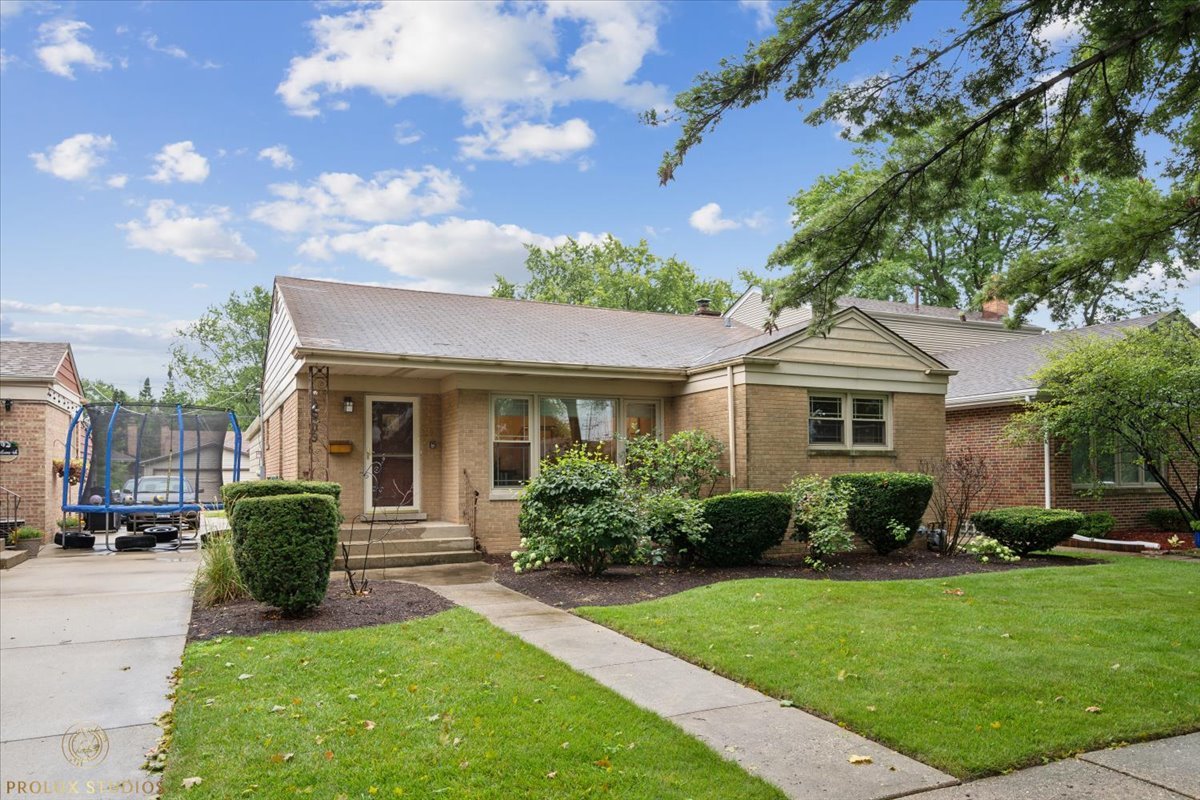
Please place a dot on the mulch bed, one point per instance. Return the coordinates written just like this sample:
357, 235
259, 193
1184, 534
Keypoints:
386, 602
562, 586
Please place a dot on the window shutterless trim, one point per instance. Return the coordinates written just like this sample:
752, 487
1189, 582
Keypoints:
847, 419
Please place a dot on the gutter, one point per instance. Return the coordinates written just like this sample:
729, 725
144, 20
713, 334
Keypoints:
1045, 463
991, 399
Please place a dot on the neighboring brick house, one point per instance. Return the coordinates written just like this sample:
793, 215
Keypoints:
40, 390
991, 383
435, 399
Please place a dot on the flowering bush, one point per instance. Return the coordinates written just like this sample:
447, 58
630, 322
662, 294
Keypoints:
674, 527
577, 510
986, 548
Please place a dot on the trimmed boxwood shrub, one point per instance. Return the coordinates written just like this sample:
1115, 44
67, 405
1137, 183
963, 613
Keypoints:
231, 493
1170, 520
887, 507
1097, 524
1025, 529
284, 547
743, 526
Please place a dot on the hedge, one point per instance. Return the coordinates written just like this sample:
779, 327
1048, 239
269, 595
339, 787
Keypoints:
284, 547
744, 525
231, 493
1025, 529
882, 499
1097, 524
1170, 520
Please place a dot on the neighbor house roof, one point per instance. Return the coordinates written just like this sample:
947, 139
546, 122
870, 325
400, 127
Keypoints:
34, 360
1004, 370
380, 320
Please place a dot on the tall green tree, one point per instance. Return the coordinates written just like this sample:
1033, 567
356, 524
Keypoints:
612, 274
1000, 96
1138, 394
999, 234
98, 391
219, 357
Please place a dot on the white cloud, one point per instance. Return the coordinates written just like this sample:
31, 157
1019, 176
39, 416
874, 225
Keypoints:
74, 158
199, 285
12, 8
278, 155
406, 133
764, 19
6, 59
94, 333
180, 162
526, 141
172, 50
1195, 317
708, 220
19, 306
501, 62
460, 255
173, 229
336, 200
117, 181
61, 47
1060, 31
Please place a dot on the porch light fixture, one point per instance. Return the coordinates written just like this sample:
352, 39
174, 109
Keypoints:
348, 405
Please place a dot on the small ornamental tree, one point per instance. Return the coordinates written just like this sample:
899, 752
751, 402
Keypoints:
687, 462
1137, 393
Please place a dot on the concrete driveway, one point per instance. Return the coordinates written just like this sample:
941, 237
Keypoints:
88, 642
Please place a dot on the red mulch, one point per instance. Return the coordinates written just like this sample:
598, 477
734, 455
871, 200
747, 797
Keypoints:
385, 602
561, 585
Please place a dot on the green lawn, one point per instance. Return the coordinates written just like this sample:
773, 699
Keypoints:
997, 677
446, 706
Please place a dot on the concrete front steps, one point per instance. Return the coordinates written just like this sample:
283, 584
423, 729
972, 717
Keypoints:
415, 544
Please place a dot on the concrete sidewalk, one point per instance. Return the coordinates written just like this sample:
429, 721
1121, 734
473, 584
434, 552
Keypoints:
89, 639
805, 756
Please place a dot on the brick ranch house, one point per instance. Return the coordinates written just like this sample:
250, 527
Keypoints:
993, 365
40, 390
992, 381
439, 406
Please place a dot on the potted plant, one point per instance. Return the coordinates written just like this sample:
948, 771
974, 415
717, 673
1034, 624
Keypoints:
1196, 533
28, 539
60, 467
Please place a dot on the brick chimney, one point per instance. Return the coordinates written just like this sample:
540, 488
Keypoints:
995, 308
704, 308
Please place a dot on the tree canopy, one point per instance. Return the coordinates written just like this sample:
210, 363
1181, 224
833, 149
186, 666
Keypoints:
219, 357
1136, 394
997, 98
612, 274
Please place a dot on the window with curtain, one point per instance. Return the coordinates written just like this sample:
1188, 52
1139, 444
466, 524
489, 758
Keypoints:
847, 420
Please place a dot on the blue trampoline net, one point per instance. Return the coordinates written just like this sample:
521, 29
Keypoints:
145, 457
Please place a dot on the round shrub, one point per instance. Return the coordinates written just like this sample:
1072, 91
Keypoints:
1169, 520
577, 510
1097, 524
886, 507
1024, 529
284, 546
743, 526
231, 493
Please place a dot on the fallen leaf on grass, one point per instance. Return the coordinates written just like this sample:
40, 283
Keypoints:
552, 774
280, 758
956, 592
996, 726
368, 724
275, 709
786, 703
189, 783
1092, 709
245, 676
860, 760
329, 755
604, 763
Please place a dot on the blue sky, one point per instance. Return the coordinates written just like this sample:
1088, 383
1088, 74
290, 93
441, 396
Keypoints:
156, 156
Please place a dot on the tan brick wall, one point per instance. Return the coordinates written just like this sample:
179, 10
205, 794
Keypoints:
349, 470
708, 411
452, 483
40, 429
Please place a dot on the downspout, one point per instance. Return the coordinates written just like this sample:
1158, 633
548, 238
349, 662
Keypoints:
1045, 463
732, 429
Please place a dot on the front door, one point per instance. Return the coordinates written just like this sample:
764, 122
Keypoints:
391, 467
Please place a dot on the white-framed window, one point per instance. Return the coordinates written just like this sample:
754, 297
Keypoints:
1115, 466
528, 428
849, 419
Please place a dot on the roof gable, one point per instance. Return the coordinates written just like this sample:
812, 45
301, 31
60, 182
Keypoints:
34, 360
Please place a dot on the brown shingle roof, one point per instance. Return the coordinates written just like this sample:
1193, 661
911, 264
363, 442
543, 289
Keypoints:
31, 359
371, 319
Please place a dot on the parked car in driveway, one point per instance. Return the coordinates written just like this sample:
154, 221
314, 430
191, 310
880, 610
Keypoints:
158, 490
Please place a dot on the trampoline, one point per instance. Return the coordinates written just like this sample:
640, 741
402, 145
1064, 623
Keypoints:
150, 469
